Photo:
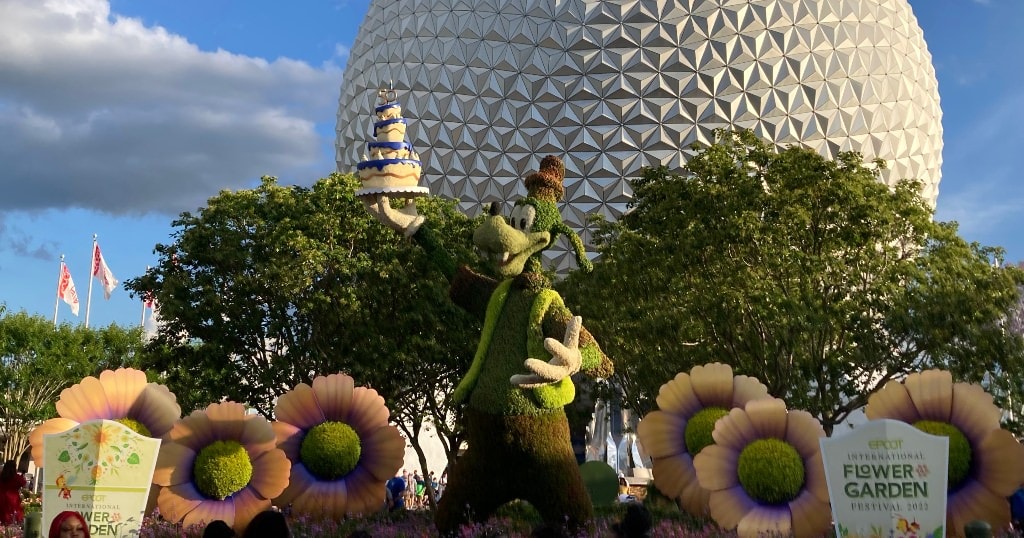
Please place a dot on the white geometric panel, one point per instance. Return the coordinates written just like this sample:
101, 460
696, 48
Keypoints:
611, 86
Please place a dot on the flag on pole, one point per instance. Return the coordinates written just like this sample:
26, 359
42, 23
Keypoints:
66, 289
102, 272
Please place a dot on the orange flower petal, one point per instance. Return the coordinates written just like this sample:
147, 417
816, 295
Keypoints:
334, 393
84, 401
210, 510
811, 516
227, 419
662, 434
713, 384
384, 452
734, 430
673, 473
122, 387
299, 407
322, 499
257, 435
299, 481
365, 494
677, 397
694, 499
768, 417
173, 464
746, 389
289, 439
194, 431
892, 401
814, 477
270, 472
54, 425
175, 502
716, 467
973, 412
763, 521
804, 432
999, 462
368, 411
932, 393
972, 502
157, 408
247, 505
729, 506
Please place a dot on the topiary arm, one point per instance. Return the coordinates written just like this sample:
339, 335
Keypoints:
577, 245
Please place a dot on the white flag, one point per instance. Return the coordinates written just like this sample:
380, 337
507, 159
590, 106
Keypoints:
66, 289
102, 272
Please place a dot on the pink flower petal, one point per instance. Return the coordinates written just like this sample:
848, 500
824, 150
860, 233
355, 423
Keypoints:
227, 419
716, 467
322, 499
194, 431
673, 473
973, 412
299, 407
270, 472
734, 430
289, 439
999, 462
122, 388
768, 417
156, 408
662, 434
713, 384
257, 435
932, 393
210, 510
694, 499
804, 432
815, 482
677, 397
383, 452
811, 515
175, 502
892, 401
746, 389
763, 520
54, 425
300, 480
247, 505
365, 493
972, 502
85, 401
334, 393
368, 411
173, 464
729, 506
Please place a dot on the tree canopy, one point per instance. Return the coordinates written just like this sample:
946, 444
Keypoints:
265, 288
804, 272
38, 361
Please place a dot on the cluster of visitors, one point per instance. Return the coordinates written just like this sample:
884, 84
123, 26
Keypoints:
11, 482
266, 524
409, 490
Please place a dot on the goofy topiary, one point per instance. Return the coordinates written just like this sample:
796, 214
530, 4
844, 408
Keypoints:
519, 381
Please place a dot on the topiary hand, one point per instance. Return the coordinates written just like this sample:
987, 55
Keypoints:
405, 221
565, 359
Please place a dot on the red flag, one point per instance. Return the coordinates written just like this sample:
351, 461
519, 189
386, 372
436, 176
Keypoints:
66, 289
102, 272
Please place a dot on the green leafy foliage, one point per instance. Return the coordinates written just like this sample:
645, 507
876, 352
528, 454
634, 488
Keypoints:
265, 288
38, 361
330, 450
771, 471
222, 468
804, 272
960, 453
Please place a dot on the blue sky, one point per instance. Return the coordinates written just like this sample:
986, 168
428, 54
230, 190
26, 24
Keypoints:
117, 115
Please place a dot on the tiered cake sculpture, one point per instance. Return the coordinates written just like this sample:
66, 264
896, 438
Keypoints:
392, 166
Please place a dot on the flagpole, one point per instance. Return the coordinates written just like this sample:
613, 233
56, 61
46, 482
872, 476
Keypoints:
92, 271
143, 322
56, 304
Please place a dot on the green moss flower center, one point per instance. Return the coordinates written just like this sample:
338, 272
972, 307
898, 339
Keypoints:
699, 428
134, 426
330, 450
771, 471
959, 449
222, 468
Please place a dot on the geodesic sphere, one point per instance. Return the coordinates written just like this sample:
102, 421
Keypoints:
492, 86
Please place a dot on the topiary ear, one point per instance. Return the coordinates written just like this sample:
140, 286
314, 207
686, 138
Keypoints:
577, 245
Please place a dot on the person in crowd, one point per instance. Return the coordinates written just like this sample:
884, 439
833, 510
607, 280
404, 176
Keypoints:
11, 482
396, 492
410, 491
218, 528
69, 524
268, 524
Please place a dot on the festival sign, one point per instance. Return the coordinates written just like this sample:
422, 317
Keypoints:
887, 478
102, 470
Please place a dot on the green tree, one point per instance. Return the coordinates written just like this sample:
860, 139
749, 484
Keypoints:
804, 272
38, 361
269, 287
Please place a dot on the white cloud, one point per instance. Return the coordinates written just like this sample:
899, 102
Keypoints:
101, 112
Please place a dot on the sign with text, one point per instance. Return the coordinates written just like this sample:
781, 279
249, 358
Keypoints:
102, 470
887, 478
